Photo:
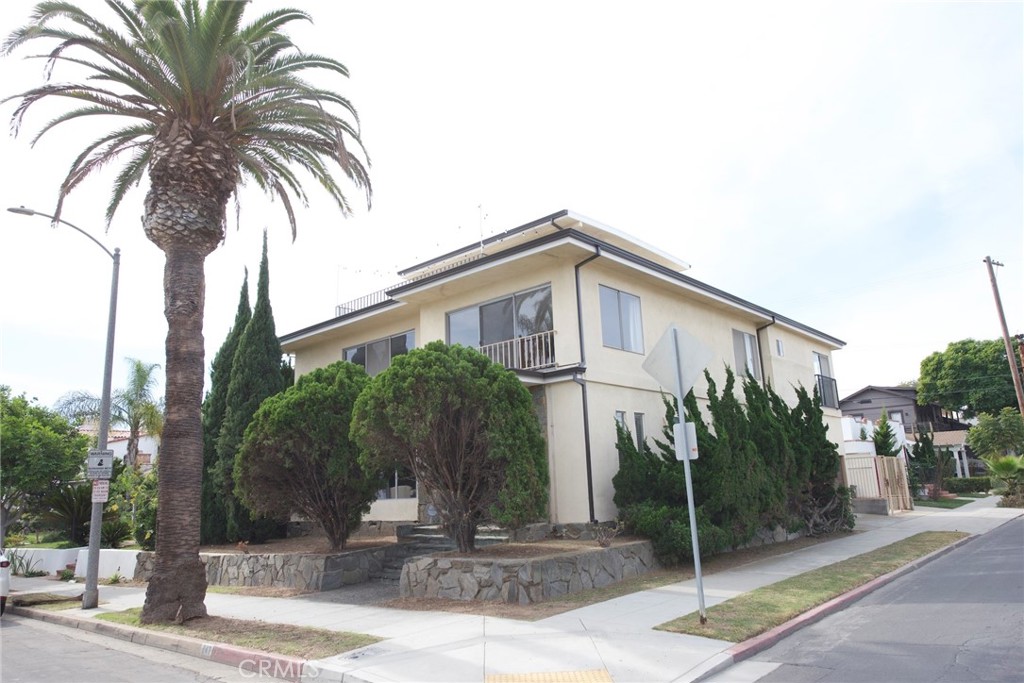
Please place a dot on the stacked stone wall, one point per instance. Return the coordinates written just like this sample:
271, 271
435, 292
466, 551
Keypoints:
284, 570
524, 581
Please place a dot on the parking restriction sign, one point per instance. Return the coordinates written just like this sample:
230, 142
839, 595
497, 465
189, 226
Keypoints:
100, 464
100, 490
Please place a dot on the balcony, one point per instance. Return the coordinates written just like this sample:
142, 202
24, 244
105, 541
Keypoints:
534, 352
828, 391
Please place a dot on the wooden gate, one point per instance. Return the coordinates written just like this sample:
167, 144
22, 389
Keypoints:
892, 482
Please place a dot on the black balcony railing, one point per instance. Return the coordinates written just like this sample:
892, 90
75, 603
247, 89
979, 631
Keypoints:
827, 391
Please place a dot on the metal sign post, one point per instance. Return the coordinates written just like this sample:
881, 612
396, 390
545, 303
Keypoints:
667, 365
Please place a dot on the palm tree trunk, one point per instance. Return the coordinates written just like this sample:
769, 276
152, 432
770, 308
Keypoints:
177, 589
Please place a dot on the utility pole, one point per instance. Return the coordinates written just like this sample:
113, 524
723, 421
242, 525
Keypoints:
1006, 335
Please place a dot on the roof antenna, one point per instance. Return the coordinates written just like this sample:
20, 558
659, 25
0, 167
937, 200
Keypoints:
483, 217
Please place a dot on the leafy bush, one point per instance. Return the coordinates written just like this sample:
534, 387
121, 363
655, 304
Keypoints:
22, 564
70, 506
14, 540
297, 455
466, 427
668, 528
66, 574
115, 532
967, 484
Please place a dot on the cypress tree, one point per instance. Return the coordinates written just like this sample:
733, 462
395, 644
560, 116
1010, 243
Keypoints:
255, 375
213, 528
884, 437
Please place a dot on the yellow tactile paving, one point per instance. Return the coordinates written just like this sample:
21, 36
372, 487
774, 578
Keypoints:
591, 676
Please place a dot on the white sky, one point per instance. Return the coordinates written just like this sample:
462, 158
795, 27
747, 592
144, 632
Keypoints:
848, 165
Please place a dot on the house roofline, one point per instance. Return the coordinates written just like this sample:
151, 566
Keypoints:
892, 391
563, 234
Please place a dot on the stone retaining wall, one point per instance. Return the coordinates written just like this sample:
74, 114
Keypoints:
284, 570
523, 581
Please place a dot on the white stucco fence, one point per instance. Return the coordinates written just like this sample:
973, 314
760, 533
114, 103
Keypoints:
49, 560
121, 562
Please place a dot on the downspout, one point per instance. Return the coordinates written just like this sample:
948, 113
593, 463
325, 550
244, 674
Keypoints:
583, 383
760, 349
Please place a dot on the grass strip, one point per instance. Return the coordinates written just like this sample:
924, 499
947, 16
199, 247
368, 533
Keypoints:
282, 639
51, 602
753, 613
945, 503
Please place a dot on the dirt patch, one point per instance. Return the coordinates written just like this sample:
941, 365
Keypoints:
515, 551
309, 545
259, 591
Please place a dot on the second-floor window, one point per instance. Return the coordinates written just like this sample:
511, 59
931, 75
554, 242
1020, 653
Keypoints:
522, 314
826, 383
621, 325
747, 357
376, 356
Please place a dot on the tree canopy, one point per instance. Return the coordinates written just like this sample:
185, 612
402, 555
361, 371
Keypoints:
297, 455
41, 450
134, 406
997, 435
466, 428
970, 375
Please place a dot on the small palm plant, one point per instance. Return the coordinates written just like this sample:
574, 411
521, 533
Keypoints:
1008, 469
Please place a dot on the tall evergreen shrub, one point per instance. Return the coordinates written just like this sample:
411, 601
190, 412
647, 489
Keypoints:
213, 526
760, 465
255, 375
884, 436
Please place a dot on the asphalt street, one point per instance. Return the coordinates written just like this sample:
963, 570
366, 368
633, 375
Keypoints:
33, 651
958, 619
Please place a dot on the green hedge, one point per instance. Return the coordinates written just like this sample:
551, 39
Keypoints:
967, 484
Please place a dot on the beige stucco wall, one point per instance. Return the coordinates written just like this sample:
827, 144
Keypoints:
615, 378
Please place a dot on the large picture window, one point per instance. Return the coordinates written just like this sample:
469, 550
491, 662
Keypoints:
522, 314
376, 356
621, 325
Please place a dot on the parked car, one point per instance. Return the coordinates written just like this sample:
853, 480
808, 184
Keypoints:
5, 581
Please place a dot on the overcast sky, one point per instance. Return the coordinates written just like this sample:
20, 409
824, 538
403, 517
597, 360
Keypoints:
848, 165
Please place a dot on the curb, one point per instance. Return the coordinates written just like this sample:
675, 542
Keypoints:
282, 667
752, 646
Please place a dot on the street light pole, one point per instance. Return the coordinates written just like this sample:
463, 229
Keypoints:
90, 599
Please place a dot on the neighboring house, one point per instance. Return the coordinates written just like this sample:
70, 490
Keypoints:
572, 306
901, 404
117, 441
149, 446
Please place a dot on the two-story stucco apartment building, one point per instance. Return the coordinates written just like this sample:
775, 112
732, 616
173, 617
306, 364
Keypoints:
572, 306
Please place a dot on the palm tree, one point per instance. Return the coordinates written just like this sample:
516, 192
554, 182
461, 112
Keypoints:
133, 407
208, 102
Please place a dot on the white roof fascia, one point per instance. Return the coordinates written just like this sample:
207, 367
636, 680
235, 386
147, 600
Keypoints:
355, 317
682, 265
500, 257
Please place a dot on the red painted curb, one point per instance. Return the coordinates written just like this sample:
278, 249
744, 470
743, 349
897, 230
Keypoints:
283, 667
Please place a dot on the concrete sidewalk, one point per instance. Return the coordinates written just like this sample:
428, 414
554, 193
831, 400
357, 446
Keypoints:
608, 641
